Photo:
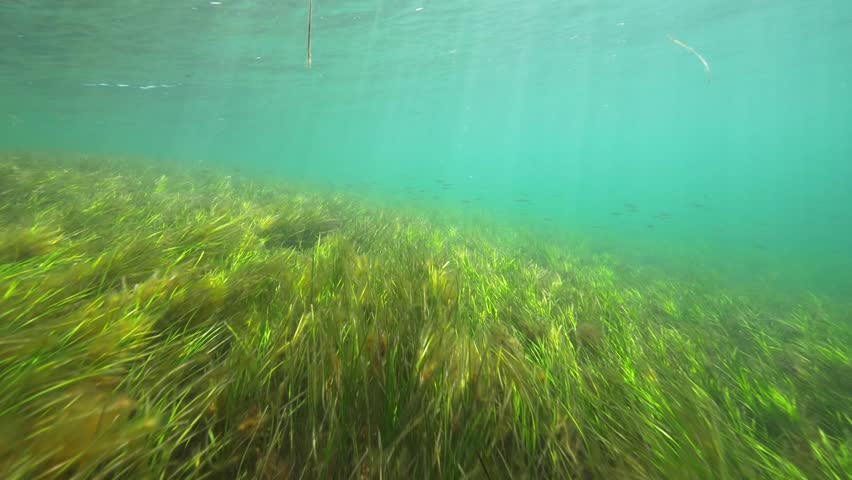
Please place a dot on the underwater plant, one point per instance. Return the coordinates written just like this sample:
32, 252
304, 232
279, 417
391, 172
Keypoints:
697, 55
160, 323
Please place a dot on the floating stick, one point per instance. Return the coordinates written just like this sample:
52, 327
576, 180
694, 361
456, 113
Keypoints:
310, 17
692, 50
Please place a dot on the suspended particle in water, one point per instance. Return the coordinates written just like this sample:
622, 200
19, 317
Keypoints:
692, 51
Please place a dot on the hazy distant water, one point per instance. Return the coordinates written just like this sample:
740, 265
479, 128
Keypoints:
556, 113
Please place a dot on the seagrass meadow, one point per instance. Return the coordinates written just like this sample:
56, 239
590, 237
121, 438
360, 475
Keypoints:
170, 322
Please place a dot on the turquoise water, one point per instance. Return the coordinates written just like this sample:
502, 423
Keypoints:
567, 116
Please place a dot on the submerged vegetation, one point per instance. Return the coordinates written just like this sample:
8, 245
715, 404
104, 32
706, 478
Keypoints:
156, 323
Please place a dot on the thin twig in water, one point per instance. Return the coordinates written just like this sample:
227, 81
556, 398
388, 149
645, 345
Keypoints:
310, 18
692, 50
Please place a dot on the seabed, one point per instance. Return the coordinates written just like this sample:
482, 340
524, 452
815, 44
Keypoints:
167, 323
